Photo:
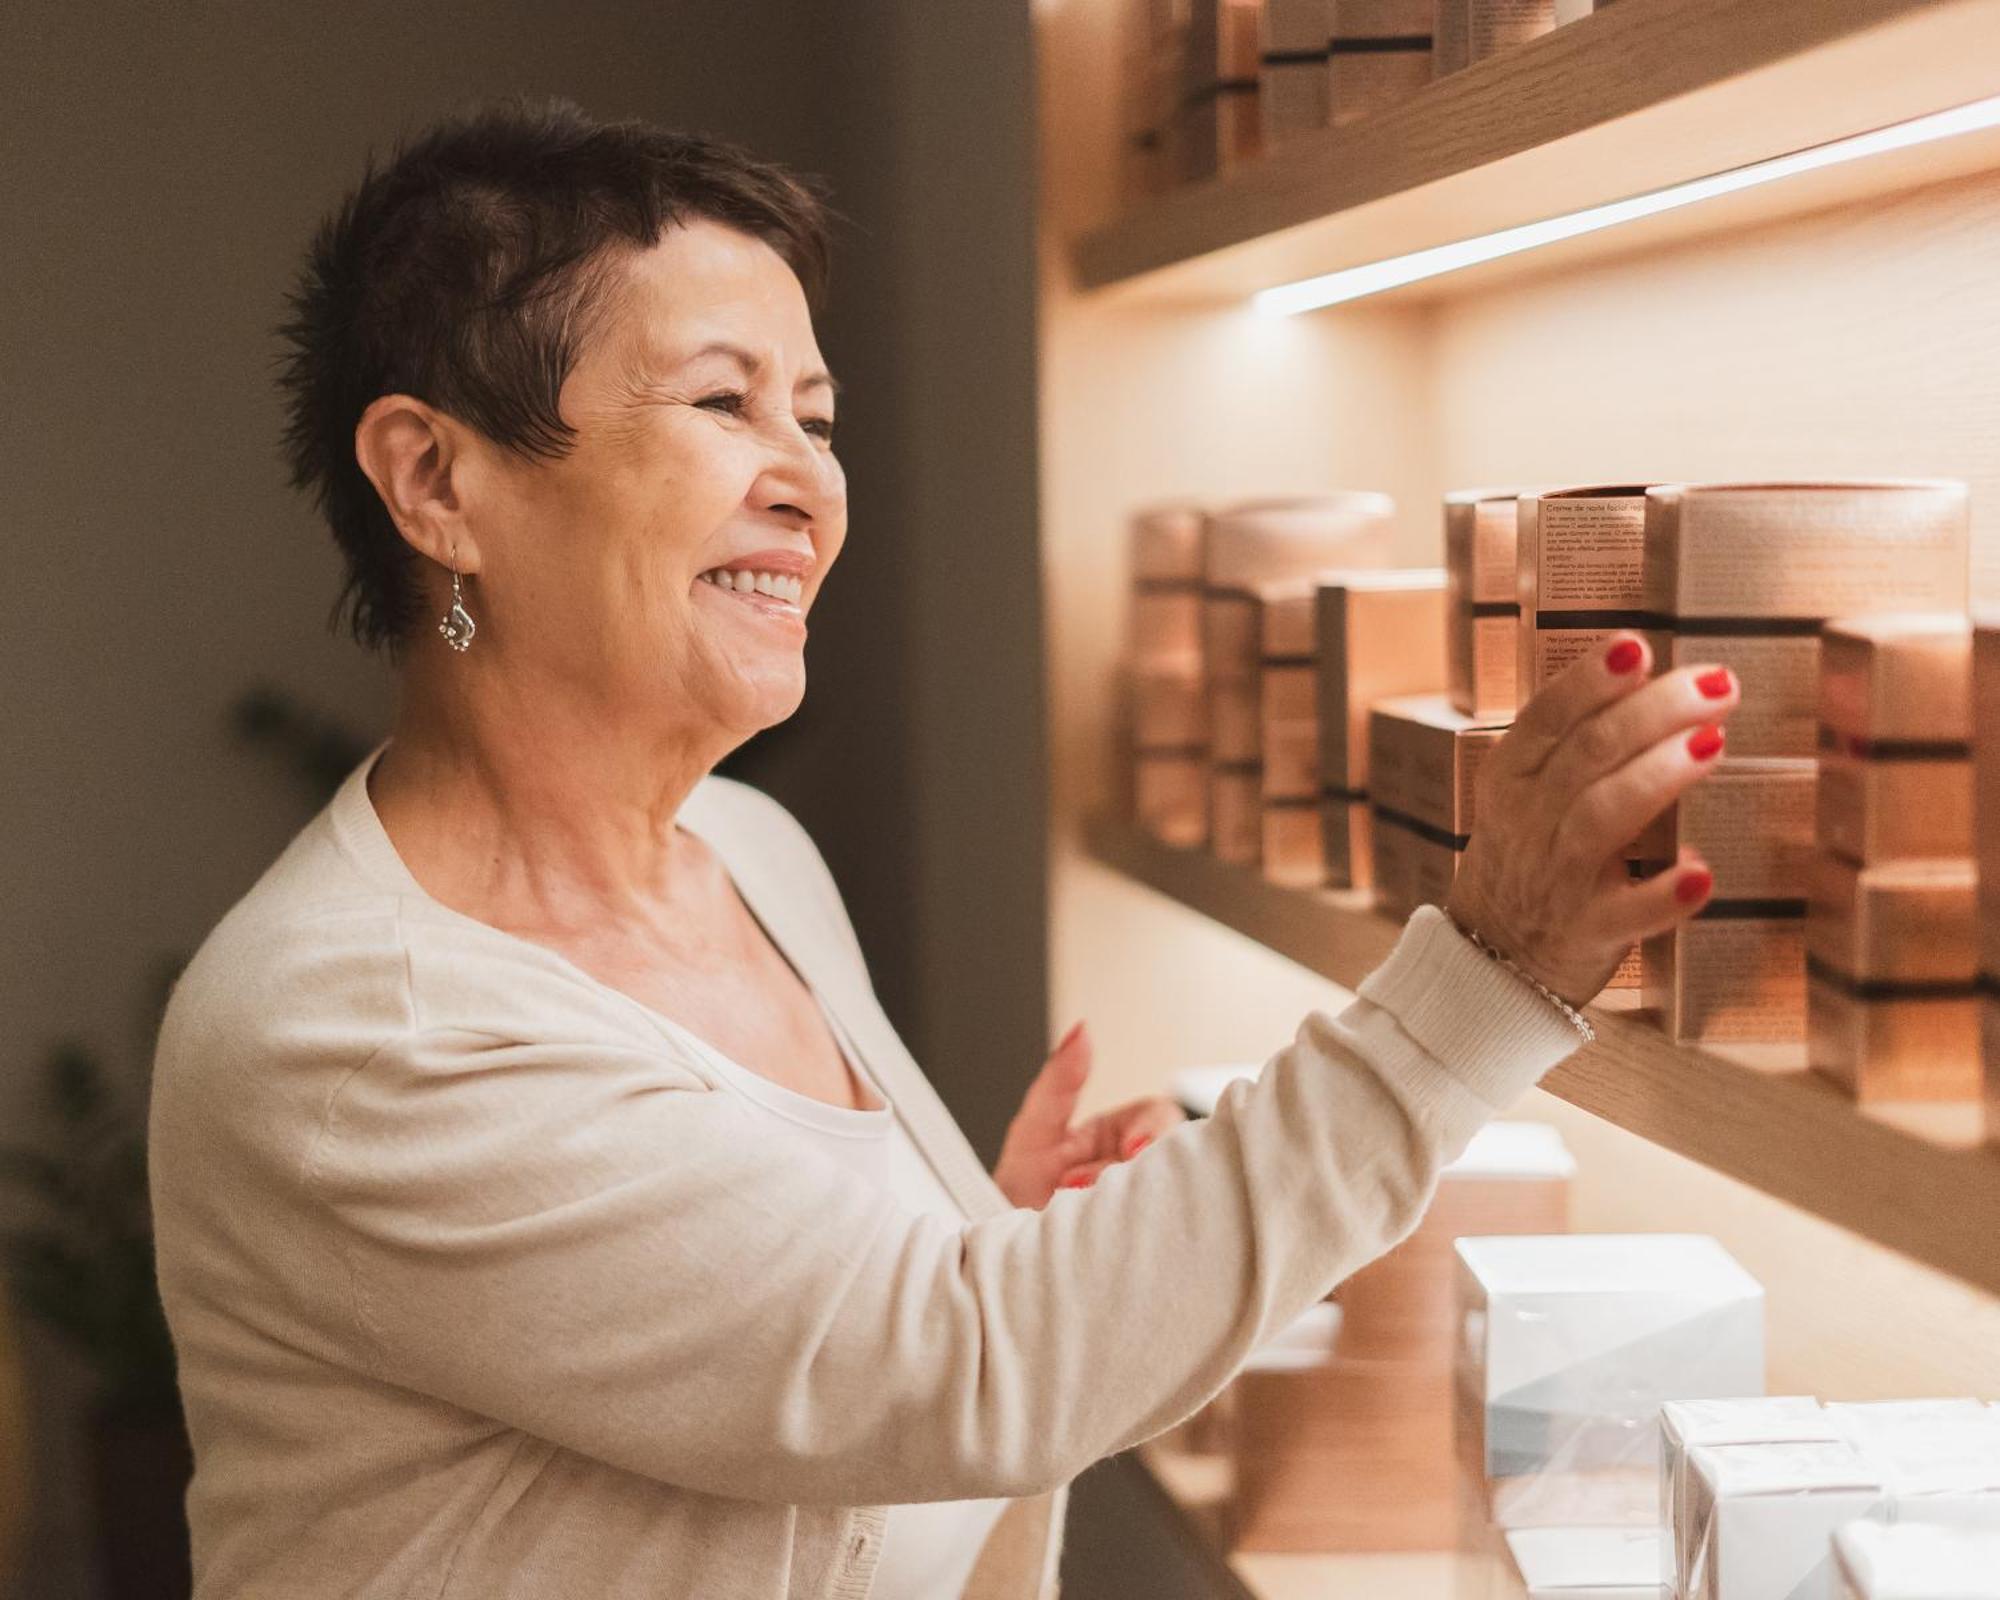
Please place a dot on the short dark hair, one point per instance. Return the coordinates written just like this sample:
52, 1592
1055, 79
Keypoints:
468, 272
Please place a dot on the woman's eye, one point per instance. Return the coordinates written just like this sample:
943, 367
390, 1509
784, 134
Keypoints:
731, 400
823, 426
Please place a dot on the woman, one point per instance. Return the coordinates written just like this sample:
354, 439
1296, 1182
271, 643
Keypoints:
545, 1205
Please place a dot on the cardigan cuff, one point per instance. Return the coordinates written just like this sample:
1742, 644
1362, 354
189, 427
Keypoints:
1484, 1024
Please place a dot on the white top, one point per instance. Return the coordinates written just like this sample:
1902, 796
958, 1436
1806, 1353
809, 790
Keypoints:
928, 1547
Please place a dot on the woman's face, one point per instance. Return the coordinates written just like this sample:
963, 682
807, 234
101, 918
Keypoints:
703, 416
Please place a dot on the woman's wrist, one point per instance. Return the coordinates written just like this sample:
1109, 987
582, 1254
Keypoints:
1486, 947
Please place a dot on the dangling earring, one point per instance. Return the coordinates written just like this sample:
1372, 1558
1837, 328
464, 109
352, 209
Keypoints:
457, 626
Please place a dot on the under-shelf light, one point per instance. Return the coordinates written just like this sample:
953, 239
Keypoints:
1352, 283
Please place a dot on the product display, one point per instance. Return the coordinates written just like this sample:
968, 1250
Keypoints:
1168, 717
1379, 634
1684, 1424
1569, 1346
1293, 88
1744, 574
1379, 55
1763, 1517
1480, 529
1472, 30
1513, 1178
1916, 1561
1585, 1563
1423, 760
1220, 125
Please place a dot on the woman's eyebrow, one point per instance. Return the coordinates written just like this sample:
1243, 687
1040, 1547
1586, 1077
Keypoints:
749, 361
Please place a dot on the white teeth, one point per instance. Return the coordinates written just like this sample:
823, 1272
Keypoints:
777, 585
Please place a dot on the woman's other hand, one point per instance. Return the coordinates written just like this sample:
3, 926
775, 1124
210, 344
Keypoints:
1590, 761
1045, 1149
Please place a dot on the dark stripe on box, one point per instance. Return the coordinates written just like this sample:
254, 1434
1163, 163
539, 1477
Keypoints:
1891, 988
1422, 829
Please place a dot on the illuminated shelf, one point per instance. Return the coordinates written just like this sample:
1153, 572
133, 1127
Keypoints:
1646, 94
1915, 1179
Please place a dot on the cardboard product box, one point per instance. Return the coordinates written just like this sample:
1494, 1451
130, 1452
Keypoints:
1423, 762
1471, 30
1169, 711
1898, 678
1236, 812
1986, 790
1745, 573
1378, 56
1586, 1563
1915, 1561
1892, 800
1293, 89
1580, 575
1171, 797
1751, 820
1891, 963
1289, 678
1165, 628
1379, 634
1292, 853
1569, 1346
1684, 1424
1344, 1455
1513, 1178
1764, 1515
1221, 125
1734, 973
1989, 1056
1482, 637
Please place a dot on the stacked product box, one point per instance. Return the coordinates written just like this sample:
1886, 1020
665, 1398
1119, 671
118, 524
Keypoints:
1916, 1561
1746, 575
1471, 30
1350, 1449
1254, 552
1482, 641
1891, 943
1687, 1425
1167, 714
1570, 1345
1379, 54
1220, 125
1986, 835
1153, 53
1293, 87
1377, 634
1582, 1564
1423, 766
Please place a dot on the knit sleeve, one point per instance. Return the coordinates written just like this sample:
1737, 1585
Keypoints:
584, 1240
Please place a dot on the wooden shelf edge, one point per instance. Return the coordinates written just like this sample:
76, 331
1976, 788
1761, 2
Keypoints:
1644, 95
1917, 1180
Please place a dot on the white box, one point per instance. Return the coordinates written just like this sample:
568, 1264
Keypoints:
1684, 1424
1568, 1346
1764, 1517
1587, 1563
1912, 1561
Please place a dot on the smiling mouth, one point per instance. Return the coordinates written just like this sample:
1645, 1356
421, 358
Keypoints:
772, 585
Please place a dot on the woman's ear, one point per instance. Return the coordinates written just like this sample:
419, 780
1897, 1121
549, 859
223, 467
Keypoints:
408, 451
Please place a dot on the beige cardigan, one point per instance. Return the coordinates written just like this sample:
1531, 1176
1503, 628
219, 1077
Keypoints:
480, 1289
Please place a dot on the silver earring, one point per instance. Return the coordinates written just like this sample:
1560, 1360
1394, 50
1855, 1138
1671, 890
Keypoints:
457, 626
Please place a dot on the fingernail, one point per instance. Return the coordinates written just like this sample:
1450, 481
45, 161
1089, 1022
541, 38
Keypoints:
1694, 885
1704, 742
1079, 1180
1622, 656
1135, 1145
1715, 683
1075, 1028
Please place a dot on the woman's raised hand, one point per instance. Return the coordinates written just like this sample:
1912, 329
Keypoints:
1588, 763
1046, 1150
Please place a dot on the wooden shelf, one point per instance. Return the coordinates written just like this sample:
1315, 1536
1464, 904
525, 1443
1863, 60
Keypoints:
1916, 1179
1646, 94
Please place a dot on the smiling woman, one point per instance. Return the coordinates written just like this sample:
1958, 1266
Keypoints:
544, 1203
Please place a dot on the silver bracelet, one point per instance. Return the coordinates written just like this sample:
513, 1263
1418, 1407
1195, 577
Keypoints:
1577, 1019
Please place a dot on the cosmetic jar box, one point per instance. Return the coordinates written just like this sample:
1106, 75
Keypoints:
1915, 1561
1751, 820
1684, 1424
1585, 1563
1482, 647
1423, 762
1293, 88
1513, 1178
1379, 55
1745, 574
1734, 973
1341, 1455
1471, 30
1378, 634
1891, 960
1220, 125
1293, 853
1938, 1459
1580, 575
1569, 1344
1762, 1517
1236, 811
1168, 704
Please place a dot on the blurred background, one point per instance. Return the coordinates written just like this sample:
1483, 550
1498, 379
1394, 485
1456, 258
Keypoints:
175, 704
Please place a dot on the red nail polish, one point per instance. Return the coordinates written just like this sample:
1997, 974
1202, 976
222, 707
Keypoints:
1074, 1029
1622, 656
1136, 1145
1704, 742
1694, 885
1714, 683
1079, 1180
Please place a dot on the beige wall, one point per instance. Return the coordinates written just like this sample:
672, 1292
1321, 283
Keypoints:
162, 168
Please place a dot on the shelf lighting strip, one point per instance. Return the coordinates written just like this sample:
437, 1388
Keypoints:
1352, 283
